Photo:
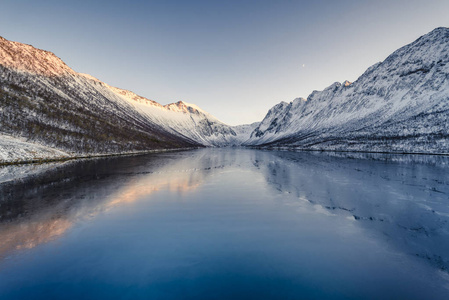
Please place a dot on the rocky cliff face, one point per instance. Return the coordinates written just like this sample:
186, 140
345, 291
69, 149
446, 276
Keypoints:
398, 105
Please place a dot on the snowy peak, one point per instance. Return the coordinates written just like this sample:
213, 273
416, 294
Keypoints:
419, 57
184, 107
297, 103
22, 57
439, 35
346, 83
424, 53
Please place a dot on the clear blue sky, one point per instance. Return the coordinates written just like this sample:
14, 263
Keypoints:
235, 59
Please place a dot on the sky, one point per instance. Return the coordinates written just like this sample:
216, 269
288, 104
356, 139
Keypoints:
234, 59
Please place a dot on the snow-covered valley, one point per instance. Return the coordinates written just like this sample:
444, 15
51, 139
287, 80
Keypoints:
47, 110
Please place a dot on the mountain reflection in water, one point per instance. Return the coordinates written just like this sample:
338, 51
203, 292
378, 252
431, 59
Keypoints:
40, 208
394, 200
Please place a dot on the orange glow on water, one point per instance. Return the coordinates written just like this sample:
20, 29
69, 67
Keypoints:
53, 223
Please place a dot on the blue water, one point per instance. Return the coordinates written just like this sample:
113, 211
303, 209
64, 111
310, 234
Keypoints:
227, 224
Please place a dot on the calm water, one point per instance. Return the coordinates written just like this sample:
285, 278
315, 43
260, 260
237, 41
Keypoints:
227, 224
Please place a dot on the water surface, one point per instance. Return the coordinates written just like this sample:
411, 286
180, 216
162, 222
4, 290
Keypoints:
227, 223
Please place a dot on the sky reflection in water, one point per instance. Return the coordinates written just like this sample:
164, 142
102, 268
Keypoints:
227, 223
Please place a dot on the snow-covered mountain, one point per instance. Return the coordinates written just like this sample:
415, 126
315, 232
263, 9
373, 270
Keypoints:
187, 120
45, 103
398, 105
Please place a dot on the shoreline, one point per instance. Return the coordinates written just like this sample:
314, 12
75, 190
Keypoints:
345, 151
89, 156
92, 156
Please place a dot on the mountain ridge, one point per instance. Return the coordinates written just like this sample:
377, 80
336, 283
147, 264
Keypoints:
46, 103
398, 105
28, 58
387, 109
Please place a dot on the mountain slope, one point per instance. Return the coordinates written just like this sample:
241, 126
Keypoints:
398, 105
183, 119
46, 103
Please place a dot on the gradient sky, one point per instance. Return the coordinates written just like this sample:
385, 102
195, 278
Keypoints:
234, 59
